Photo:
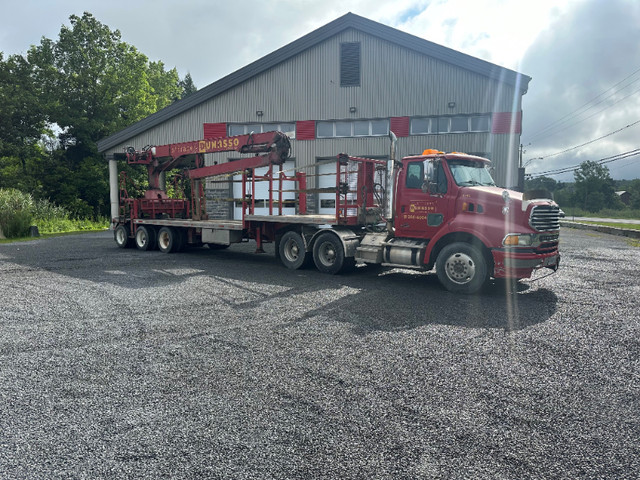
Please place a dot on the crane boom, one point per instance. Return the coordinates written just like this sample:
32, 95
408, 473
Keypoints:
275, 146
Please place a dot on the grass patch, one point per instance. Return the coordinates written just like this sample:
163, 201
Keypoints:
48, 235
67, 225
606, 213
626, 226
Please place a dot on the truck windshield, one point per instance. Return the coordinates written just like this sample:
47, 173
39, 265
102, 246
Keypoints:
467, 173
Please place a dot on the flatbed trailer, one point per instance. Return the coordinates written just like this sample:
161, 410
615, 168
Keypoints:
431, 210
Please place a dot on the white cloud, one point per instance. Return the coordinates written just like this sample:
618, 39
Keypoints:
498, 31
573, 50
575, 63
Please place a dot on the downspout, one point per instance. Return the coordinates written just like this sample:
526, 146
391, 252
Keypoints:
392, 168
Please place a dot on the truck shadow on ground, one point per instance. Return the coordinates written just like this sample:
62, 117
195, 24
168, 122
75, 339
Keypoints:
376, 299
423, 301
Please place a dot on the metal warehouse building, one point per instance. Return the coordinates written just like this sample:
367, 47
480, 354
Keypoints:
342, 88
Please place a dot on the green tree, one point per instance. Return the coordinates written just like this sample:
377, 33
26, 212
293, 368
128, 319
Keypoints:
594, 187
22, 124
92, 85
538, 183
187, 86
634, 190
165, 85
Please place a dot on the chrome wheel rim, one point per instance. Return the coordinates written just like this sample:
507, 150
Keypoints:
460, 268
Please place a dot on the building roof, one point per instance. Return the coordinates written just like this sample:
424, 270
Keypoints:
298, 46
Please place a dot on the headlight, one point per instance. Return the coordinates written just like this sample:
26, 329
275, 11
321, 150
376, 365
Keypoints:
519, 240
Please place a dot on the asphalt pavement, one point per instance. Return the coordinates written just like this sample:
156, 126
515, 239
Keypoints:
223, 364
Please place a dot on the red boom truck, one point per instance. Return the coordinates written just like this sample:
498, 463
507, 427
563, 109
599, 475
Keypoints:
437, 209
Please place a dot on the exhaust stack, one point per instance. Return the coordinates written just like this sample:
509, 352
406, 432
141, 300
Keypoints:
390, 180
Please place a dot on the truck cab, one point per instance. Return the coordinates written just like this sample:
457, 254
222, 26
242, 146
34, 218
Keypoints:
470, 228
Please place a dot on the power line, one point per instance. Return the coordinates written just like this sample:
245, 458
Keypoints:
594, 114
575, 113
583, 144
602, 161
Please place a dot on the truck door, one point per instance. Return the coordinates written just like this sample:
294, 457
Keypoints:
422, 202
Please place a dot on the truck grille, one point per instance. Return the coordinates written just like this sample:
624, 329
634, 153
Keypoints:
545, 218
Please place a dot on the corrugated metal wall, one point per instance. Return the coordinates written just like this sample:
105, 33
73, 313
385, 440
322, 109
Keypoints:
395, 81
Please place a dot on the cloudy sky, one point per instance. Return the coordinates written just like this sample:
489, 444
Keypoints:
583, 55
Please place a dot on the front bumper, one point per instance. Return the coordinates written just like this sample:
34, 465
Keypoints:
514, 264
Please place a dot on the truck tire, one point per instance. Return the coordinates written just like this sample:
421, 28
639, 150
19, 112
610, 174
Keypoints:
145, 238
181, 240
293, 254
168, 240
328, 254
461, 268
121, 236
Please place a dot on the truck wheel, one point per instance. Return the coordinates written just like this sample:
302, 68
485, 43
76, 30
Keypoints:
461, 267
328, 254
121, 236
292, 251
167, 240
145, 238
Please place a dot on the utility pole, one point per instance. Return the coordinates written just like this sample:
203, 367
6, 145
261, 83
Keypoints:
521, 152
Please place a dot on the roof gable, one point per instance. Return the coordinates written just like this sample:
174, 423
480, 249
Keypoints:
298, 46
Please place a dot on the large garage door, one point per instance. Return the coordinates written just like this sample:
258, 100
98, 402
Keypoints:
262, 192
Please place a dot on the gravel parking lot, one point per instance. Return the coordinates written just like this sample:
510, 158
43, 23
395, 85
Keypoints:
223, 364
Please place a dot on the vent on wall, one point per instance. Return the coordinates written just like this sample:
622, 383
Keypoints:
350, 64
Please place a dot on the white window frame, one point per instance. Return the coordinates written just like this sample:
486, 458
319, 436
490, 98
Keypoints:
432, 125
260, 128
334, 124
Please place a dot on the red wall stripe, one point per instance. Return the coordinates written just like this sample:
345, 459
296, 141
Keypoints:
505, 122
399, 126
215, 130
306, 130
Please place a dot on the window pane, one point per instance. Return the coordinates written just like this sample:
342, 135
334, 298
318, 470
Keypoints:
480, 124
255, 128
288, 127
360, 128
236, 130
419, 125
443, 125
343, 129
379, 127
414, 175
325, 129
459, 124
269, 127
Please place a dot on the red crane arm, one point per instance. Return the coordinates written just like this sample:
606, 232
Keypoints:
158, 159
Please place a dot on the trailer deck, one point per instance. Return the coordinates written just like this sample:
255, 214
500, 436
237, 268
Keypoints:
298, 219
179, 222
238, 224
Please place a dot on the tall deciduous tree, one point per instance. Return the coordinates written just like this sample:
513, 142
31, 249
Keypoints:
22, 122
594, 187
93, 84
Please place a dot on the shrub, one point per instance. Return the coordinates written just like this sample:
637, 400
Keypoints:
45, 210
15, 212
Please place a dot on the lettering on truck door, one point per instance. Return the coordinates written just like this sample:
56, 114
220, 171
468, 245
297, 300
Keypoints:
422, 203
